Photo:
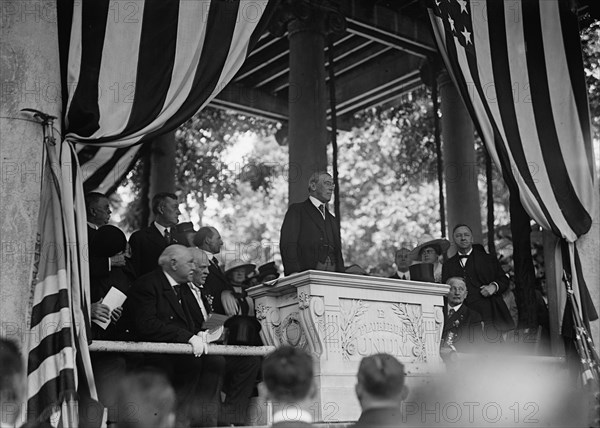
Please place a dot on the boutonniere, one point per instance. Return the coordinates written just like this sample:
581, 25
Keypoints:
209, 299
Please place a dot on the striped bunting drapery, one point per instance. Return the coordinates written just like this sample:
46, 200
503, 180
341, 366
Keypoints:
131, 71
58, 334
140, 69
518, 67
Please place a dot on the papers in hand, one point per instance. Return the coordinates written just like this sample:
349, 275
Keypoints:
214, 326
113, 299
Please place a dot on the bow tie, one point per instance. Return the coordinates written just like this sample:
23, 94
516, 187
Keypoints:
463, 256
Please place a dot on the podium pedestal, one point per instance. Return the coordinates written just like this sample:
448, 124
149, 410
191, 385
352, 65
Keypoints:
340, 318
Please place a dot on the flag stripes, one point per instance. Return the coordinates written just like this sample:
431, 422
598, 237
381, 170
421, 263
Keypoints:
518, 67
510, 62
51, 369
135, 76
134, 70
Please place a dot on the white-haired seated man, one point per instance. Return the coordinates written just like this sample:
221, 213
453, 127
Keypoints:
162, 304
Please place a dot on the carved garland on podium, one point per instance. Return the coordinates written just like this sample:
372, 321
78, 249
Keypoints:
412, 318
348, 331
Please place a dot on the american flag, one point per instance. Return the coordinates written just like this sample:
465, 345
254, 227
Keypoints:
131, 71
518, 67
136, 70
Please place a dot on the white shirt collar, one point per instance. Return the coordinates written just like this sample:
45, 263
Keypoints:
456, 308
315, 201
405, 273
292, 413
93, 226
468, 253
170, 279
160, 228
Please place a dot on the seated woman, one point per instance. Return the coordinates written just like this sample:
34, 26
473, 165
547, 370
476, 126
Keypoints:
432, 251
243, 326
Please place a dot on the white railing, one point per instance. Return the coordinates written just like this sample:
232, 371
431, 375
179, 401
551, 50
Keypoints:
176, 348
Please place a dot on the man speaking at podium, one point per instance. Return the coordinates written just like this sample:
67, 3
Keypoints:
310, 237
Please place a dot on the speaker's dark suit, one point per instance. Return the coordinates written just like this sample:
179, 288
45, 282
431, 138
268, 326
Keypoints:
306, 238
381, 417
480, 269
158, 316
146, 245
465, 326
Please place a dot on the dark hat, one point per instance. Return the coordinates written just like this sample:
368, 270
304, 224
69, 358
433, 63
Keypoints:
421, 272
266, 270
107, 241
185, 227
355, 270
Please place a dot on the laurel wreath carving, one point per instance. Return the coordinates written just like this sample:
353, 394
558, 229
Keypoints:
350, 316
412, 318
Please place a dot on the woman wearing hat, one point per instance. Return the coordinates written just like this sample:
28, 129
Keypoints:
244, 328
432, 251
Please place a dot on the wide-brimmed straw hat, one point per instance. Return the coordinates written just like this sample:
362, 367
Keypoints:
237, 264
440, 244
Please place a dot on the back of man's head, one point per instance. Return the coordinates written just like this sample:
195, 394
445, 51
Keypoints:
146, 400
380, 378
204, 233
12, 388
159, 198
288, 374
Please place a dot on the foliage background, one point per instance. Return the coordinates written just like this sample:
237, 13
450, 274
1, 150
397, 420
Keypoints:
232, 174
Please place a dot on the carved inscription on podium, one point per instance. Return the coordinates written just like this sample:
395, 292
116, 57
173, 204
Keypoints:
368, 327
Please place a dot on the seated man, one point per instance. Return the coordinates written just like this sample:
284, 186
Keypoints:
403, 261
240, 371
161, 312
462, 326
289, 385
380, 390
217, 287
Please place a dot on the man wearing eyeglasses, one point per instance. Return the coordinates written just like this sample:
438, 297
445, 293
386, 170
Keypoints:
310, 237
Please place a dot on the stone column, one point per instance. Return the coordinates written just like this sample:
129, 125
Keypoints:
162, 165
307, 101
29, 78
460, 166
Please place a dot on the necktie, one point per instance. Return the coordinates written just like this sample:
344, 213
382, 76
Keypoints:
451, 312
215, 261
168, 236
463, 259
177, 290
322, 209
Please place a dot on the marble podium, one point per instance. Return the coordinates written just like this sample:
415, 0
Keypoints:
340, 318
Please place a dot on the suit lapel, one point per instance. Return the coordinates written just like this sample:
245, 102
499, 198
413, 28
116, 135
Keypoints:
314, 214
193, 306
155, 235
216, 271
170, 296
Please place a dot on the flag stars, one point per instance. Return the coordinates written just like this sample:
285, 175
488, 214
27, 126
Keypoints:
467, 36
451, 21
463, 6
